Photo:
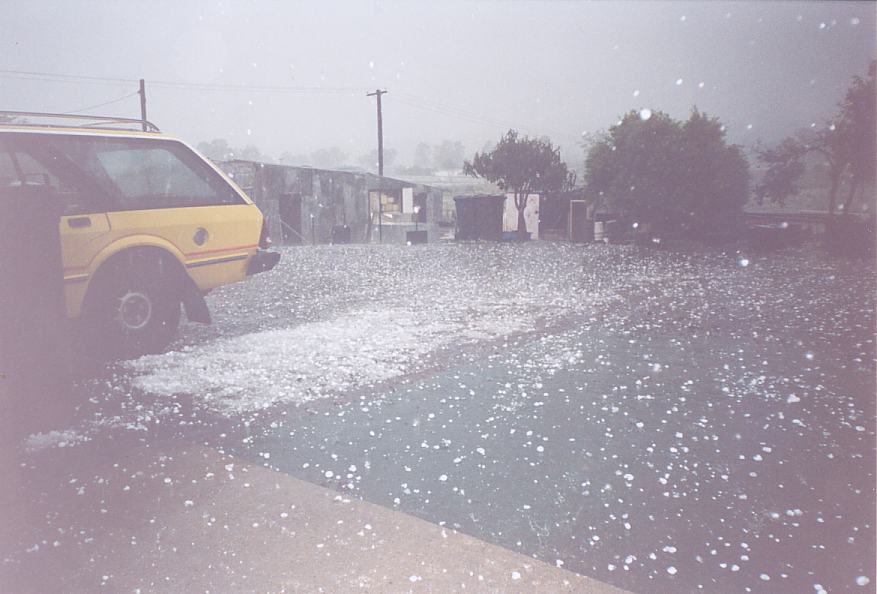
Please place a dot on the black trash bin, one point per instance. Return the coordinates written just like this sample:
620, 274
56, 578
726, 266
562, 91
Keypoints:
479, 216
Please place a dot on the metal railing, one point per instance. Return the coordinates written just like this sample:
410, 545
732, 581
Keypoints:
86, 121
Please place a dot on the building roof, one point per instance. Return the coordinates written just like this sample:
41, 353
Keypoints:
480, 197
373, 181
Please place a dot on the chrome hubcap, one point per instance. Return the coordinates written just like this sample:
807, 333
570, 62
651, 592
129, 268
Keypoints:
135, 309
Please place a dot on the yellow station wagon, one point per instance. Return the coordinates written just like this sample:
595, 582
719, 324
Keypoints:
147, 224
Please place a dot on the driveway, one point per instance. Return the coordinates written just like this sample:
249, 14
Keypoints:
657, 420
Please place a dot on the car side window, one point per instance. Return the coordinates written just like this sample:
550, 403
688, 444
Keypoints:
99, 174
32, 173
156, 177
20, 167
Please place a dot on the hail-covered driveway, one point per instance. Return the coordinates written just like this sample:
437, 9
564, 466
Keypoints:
660, 420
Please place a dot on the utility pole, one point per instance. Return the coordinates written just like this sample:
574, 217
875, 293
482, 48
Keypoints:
142, 92
378, 94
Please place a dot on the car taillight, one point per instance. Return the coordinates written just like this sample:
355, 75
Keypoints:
264, 240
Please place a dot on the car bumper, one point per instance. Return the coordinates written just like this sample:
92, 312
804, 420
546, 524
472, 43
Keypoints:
263, 261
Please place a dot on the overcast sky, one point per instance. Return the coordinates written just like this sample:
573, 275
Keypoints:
454, 70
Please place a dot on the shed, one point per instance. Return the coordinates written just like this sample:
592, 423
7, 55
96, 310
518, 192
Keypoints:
309, 205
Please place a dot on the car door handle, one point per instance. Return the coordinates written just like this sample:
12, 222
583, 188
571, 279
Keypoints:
79, 222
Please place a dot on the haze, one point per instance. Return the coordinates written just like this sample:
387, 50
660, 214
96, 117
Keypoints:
454, 70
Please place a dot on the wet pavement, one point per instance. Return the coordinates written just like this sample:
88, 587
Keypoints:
656, 419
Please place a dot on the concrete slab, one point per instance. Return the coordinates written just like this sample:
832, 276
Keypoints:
196, 520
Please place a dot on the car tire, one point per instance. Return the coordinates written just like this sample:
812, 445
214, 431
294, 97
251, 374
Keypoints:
135, 309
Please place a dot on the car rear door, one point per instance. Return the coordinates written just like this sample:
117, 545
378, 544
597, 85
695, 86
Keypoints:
28, 160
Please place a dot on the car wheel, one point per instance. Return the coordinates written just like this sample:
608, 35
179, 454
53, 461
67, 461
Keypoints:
135, 309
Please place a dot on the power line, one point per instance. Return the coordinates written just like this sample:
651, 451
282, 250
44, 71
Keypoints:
439, 105
101, 104
254, 88
62, 80
456, 113
71, 78
408, 99
461, 113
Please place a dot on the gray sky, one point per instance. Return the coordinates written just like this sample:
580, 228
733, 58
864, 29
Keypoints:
457, 70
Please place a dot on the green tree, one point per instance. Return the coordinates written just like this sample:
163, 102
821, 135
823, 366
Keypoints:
328, 158
449, 155
847, 143
216, 150
860, 132
369, 160
632, 167
680, 177
522, 166
786, 163
288, 158
423, 156
715, 177
252, 153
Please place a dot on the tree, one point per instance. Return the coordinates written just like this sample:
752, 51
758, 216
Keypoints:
785, 164
252, 153
449, 155
715, 176
860, 132
369, 160
631, 168
328, 158
216, 150
522, 166
288, 158
847, 143
423, 156
680, 177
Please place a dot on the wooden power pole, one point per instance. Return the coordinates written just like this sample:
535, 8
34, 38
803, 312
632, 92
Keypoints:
378, 94
142, 92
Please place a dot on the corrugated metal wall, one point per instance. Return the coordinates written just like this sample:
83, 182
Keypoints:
328, 199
